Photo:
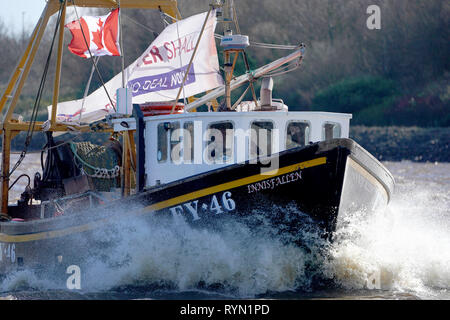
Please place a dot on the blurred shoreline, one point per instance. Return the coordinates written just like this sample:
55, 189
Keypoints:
404, 143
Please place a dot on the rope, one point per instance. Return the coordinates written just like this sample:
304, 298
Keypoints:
86, 91
240, 98
190, 62
65, 142
21, 176
289, 68
181, 65
236, 23
141, 25
247, 65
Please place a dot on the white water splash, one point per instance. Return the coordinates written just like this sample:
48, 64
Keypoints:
408, 245
24, 280
244, 262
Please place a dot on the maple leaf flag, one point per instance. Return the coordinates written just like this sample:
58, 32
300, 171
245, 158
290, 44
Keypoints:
101, 33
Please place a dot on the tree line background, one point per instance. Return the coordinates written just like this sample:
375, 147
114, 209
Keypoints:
398, 75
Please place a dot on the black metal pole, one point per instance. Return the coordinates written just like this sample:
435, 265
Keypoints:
140, 148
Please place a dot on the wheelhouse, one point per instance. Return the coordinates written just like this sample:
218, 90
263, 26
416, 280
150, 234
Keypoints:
183, 145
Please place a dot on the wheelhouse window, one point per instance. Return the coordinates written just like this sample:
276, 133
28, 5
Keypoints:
297, 135
261, 138
188, 142
331, 130
175, 142
220, 140
163, 141
169, 133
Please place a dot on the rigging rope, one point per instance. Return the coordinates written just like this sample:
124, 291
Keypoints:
37, 101
68, 141
240, 99
289, 68
86, 91
247, 65
21, 176
155, 33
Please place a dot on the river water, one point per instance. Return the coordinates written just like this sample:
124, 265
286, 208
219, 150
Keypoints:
402, 252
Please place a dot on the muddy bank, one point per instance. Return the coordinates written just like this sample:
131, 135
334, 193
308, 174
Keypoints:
404, 143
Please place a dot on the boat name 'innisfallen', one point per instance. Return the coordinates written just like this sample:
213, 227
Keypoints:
271, 184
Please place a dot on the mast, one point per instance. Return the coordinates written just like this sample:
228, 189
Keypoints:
241, 80
122, 51
58, 64
9, 128
127, 143
233, 44
228, 66
13, 91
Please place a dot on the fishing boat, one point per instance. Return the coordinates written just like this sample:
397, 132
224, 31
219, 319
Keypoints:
175, 151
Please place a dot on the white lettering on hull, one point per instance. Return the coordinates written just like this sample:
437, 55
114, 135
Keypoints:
214, 204
271, 184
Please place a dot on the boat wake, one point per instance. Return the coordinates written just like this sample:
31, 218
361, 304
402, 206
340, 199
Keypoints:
404, 249
235, 260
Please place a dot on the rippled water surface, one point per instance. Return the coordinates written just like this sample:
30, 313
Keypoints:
402, 253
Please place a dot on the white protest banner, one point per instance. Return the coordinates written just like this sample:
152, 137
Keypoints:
158, 73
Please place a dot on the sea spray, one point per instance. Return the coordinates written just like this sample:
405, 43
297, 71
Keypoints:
237, 259
407, 245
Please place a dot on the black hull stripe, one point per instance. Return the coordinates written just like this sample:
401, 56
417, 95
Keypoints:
167, 203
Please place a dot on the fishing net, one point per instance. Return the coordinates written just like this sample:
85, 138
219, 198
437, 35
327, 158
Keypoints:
101, 163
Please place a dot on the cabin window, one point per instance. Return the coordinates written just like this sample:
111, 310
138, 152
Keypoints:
188, 139
297, 134
220, 137
331, 130
261, 138
162, 141
175, 142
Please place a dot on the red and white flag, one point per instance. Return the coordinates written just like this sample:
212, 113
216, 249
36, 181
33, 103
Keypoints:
101, 33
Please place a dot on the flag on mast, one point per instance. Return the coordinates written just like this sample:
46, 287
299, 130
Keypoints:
101, 33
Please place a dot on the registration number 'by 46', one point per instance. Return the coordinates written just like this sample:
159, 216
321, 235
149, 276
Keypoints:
216, 204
